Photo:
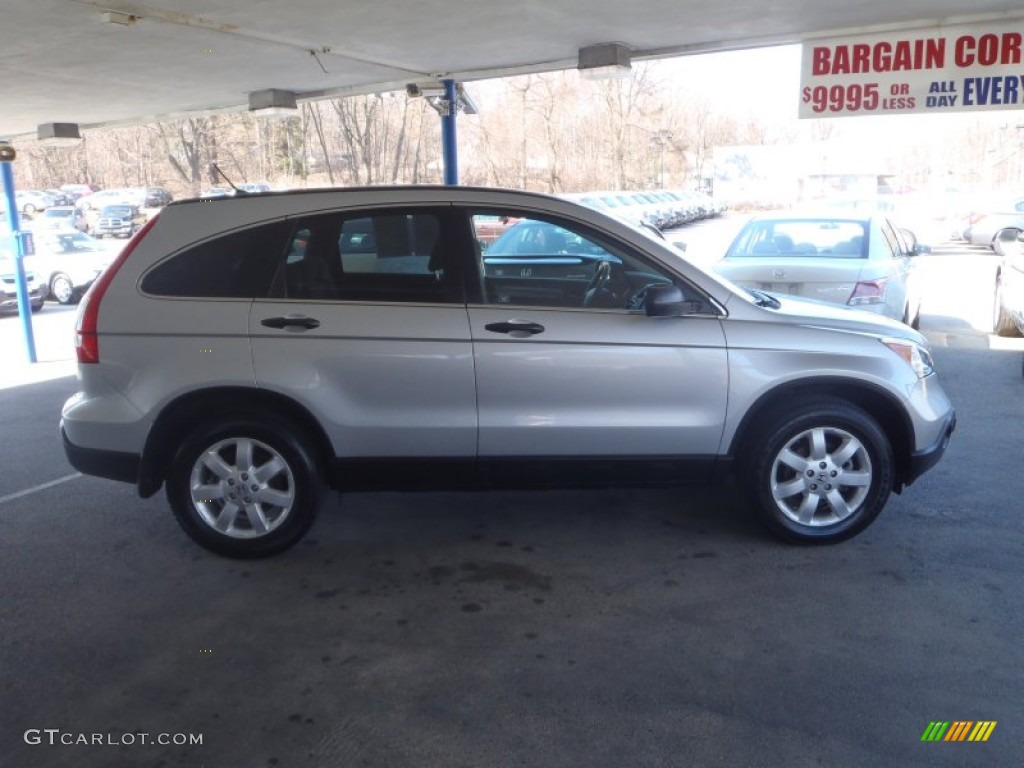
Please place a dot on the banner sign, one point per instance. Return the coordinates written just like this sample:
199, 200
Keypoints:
947, 69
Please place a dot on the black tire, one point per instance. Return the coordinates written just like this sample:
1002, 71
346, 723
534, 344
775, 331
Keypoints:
870, 471
1002, 322
62, 289
300, 481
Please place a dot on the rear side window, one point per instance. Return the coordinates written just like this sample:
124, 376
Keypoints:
235, 265
390, 256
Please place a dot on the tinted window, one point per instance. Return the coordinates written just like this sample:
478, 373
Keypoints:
378, 256
235, 265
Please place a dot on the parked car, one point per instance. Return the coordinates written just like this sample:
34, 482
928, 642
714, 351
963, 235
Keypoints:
855, 260
254, 187
983, 227
30, 201
61, 217
60, 197
98, 200
249, 352
217, 192
68, 262
118, 221
9, 291
75, 191
1008, 298
490, 228
156, 197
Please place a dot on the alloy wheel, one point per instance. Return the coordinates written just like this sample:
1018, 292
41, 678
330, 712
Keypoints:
821, 477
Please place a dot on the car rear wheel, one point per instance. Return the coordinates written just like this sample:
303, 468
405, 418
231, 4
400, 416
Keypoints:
62, 289
818, 474
1002, 321
246, 487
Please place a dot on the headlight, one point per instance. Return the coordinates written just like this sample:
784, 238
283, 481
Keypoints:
915, 355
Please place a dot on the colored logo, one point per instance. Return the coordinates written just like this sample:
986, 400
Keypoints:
958, 730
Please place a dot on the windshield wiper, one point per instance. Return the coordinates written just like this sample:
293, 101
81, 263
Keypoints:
763, 299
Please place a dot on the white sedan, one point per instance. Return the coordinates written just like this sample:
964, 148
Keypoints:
864, 262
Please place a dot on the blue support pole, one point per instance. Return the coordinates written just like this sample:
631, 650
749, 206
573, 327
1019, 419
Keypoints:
449, 142
24, 309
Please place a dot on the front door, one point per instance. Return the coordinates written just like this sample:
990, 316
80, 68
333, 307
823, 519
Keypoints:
568, 366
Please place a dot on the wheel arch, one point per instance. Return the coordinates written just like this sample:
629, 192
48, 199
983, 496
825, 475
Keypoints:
883, 406
181, 415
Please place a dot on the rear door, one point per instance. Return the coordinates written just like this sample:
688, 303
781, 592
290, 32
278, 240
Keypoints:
366, 325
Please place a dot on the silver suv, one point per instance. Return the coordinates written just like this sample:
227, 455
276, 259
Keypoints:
249, 352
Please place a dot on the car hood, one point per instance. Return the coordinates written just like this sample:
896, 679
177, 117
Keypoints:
820, 314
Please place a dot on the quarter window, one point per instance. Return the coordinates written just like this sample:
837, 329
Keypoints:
234, 265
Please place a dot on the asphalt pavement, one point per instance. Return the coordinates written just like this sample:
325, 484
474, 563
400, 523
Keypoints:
605, 628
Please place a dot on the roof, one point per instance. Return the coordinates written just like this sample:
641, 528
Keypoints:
102, 62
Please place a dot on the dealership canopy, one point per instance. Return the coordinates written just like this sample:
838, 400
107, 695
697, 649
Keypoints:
98, 62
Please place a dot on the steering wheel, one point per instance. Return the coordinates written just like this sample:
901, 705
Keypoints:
602, 274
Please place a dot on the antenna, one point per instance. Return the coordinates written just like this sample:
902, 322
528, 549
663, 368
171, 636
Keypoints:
225, 177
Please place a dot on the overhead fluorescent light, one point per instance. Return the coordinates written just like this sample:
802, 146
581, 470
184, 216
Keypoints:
272, 103
607, 61
121, 19
58, 134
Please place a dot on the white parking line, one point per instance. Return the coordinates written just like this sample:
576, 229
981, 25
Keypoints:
40, 487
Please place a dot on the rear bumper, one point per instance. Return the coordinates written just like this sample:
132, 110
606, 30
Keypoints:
923, 460
113, 465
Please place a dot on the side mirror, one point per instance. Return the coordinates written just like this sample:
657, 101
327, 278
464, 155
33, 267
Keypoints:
663, 300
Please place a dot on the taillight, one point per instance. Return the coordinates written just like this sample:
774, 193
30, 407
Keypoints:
87, 342
868, 292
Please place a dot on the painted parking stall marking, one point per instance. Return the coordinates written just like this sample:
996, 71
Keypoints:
40, 487
959, 68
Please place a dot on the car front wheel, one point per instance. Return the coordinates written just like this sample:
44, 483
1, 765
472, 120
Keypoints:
820, 473
247, 487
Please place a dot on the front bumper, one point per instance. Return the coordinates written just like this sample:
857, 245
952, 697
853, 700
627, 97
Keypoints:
923, 460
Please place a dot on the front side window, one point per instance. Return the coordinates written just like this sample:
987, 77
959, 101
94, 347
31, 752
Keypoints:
553, 263
369, 256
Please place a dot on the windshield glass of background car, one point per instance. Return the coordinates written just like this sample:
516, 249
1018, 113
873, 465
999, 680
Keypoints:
801, 238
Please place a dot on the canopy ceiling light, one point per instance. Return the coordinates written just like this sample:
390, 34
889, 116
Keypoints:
606, 61
58, 135
272, 103
121, 19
